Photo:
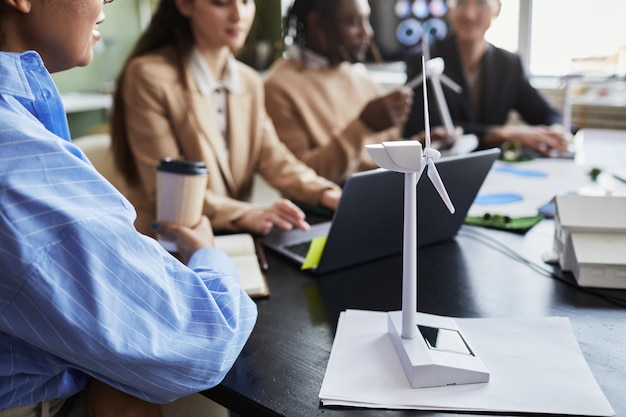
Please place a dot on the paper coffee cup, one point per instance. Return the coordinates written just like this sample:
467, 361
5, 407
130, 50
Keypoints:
181, 187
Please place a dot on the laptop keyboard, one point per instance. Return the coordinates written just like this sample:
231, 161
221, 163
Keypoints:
301, 248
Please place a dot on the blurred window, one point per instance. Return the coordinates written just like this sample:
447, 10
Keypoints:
566, 36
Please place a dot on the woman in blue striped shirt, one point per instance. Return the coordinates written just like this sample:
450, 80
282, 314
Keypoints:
86, 302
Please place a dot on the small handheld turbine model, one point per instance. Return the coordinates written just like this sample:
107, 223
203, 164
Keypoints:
426, 363
433, 69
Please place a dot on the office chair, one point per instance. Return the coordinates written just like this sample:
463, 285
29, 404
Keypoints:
97, 147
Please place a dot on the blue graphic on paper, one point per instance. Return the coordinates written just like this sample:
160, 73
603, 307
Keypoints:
497, 199
521, 172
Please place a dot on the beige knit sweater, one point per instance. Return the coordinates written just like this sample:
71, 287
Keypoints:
316, 114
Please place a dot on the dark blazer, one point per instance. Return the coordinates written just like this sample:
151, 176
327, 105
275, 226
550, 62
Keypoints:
505, 87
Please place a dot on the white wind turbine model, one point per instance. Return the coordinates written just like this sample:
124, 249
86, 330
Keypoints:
425, 361
433, 69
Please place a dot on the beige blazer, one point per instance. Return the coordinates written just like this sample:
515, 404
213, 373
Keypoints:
166, 120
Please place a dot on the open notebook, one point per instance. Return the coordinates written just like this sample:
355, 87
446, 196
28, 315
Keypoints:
240, 247
368, 222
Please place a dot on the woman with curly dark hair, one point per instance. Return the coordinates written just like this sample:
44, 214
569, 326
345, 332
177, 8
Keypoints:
336, 108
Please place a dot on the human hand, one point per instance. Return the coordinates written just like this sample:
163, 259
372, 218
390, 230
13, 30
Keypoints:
188, 239
106, 401
330, 198
566, 137
439, 134
387, 111
283, 214
545, 140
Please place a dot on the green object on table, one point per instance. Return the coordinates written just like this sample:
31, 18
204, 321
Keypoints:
594, 172
499, 221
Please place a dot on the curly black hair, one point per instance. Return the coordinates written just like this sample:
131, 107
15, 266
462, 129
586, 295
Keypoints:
294, 27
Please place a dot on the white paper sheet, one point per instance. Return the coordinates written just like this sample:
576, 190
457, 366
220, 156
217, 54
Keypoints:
536, 366
534, 182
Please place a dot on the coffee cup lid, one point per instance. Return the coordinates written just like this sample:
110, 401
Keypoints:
181, 166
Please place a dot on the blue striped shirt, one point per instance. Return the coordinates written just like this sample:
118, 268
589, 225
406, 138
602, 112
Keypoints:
81, 292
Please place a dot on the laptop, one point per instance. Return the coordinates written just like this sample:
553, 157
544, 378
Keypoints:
368, 222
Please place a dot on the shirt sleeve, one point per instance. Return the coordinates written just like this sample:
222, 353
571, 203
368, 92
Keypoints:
288, 174
532, 104
337, 158
83, 293
301, 121
113, 304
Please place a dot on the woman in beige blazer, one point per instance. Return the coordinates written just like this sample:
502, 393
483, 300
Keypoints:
182, 94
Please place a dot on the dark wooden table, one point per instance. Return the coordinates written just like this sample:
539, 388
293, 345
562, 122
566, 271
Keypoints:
281, 369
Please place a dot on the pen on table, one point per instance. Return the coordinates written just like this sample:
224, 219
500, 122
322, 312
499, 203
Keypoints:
261, 255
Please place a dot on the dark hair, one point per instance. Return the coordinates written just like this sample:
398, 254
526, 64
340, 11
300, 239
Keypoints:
295, 22
168, 27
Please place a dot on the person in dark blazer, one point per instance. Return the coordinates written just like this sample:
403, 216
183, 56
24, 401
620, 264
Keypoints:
493, 83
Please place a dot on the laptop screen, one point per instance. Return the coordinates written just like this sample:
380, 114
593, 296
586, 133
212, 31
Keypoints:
368, 223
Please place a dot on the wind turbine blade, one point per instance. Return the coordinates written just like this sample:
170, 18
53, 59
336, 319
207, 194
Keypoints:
434, 177
444, 111
417, 80
450, 84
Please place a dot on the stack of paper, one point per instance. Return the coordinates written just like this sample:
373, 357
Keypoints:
535, 365
590, 239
